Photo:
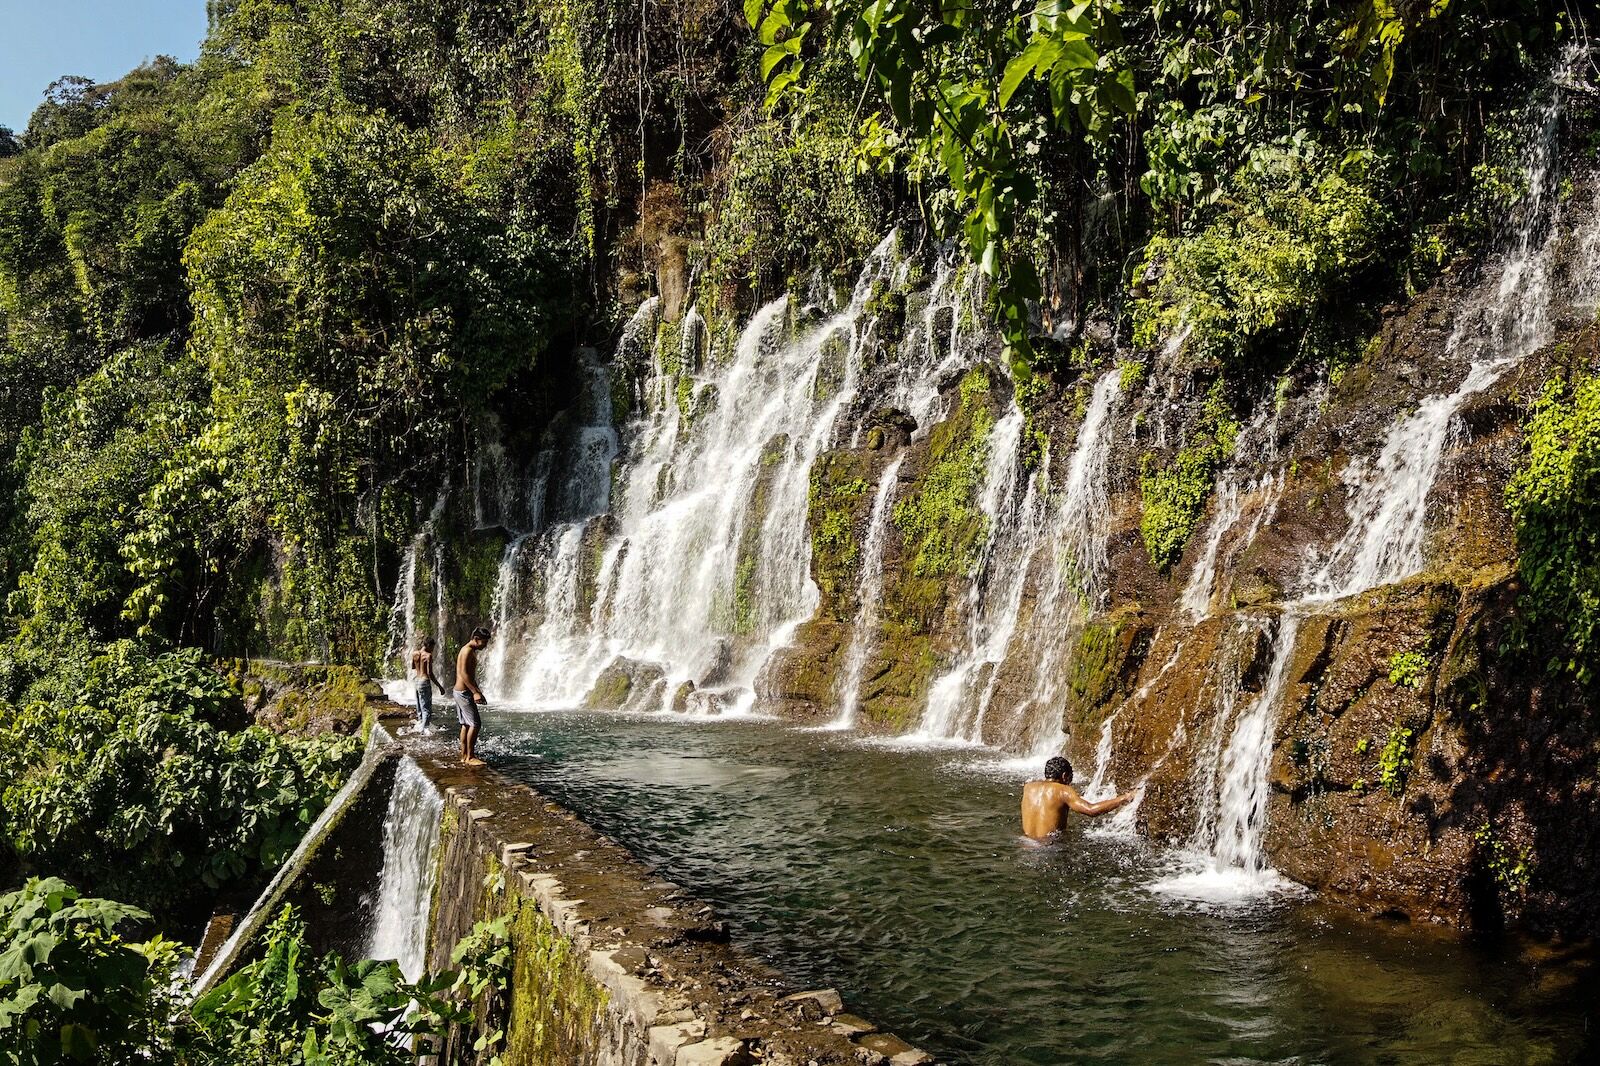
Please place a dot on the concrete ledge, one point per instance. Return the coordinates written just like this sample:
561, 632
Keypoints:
612, 965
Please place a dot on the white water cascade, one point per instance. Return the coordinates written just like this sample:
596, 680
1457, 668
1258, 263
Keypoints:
868, 596
1238, 492
1225, 860
1074, 585
403, 615
708, 537
1512, 314
1068, 544
1548, 268
405, 887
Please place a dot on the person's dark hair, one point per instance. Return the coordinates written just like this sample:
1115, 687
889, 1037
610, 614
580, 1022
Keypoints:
481, 633
427, 643
1058, 769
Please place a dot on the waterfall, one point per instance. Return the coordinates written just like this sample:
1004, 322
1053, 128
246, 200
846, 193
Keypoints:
1070, 547
1510, 316
405, 887
869, 594
1100, 785
403, 614
958, 698
1073, 586
1225, 859
1235, 833
707, 538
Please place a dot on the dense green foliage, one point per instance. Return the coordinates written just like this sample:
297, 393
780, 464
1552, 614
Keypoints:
131, 774
74, 989
1163, 114
1555, 500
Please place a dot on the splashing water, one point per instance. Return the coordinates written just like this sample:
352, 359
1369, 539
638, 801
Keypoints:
405, 886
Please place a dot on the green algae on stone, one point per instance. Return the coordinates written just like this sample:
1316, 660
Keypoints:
555, 1006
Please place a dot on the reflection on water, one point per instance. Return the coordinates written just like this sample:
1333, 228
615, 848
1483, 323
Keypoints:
898, 877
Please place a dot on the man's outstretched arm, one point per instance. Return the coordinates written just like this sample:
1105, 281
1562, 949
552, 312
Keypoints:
1094, 810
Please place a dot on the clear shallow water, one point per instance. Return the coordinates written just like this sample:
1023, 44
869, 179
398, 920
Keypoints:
898, 877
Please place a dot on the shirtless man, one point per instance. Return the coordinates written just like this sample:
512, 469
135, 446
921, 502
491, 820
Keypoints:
1045, 803
426, 681
469, 695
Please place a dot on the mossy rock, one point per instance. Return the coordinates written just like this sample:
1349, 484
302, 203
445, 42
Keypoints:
937, 515
831, 366
625, 684
838, 506
303, 698
681, 696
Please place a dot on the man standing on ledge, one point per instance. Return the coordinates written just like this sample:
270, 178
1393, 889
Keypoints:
469, 695
1045, 803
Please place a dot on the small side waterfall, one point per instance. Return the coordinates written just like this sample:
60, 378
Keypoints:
405, 887
868, 596
1512, 315
1235, 835
403, 630
1225, 859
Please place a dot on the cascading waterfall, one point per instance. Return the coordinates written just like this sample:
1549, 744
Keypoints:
1071, 545
1511, 316
405, 886
1225, 859
868, 595
1073, 586
958, 698
710, 536
1237, 491
1235, 832
582, 491
403, 615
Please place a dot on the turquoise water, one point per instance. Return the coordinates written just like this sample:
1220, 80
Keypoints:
898, 877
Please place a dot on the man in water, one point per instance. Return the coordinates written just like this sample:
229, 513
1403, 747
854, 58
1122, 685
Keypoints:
469, 695
426, 681
1045, 803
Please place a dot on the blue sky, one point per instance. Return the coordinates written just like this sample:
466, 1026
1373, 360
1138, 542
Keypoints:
40, 40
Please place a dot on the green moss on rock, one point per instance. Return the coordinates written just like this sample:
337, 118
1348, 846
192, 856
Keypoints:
1174, 494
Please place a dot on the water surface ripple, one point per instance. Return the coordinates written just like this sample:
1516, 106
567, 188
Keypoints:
898, 877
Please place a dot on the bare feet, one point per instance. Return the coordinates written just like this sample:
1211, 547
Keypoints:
472, 762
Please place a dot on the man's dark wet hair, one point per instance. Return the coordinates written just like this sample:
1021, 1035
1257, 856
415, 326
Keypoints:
480, 633
1058, 769
427, 643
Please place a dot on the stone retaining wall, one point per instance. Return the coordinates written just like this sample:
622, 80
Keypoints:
611, 964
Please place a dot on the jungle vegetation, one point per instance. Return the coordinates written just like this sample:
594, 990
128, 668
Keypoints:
251, 309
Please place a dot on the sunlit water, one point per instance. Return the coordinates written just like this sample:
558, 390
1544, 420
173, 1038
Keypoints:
897, 876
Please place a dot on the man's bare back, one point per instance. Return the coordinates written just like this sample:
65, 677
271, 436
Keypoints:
1045, 803
467, 671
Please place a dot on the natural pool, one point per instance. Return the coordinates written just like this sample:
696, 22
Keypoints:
898, 877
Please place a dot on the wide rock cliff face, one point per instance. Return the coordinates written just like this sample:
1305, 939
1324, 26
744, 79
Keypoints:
1279, 599
1409, 765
